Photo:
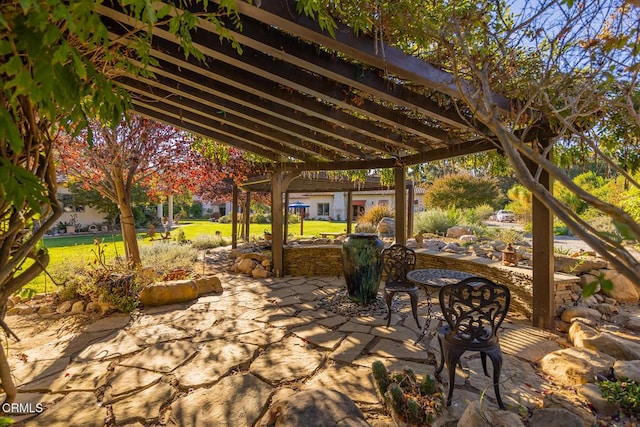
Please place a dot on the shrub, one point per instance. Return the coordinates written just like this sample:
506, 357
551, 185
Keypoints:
432, 221
624, 393
366, 228
462, 191
294, 218
168, 256
374, 214
208, 241
260, 218
226, 219
483, 212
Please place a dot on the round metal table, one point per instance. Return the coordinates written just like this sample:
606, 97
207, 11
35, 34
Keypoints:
436, 278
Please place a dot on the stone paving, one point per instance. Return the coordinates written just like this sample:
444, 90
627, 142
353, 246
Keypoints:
223, 359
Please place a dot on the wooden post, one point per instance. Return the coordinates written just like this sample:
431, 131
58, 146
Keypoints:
276, 223
286, 217
410, 212
401, 206
349, 211
247, 216
543, 280
234, 217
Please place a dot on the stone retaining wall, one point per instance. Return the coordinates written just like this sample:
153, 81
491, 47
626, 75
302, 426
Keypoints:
326, 260
313, 260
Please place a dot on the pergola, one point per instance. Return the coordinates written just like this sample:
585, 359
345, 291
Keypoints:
307, 101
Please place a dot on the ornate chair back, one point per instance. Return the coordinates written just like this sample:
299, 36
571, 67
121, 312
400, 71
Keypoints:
397, 261
474, 309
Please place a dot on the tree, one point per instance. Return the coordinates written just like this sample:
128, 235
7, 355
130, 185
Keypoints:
564, 67
136, 153
53, 57
463, 192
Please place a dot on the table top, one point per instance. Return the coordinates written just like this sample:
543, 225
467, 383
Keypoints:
436, 277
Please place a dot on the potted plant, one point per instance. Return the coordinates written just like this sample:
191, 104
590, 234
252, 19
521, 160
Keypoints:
72, 224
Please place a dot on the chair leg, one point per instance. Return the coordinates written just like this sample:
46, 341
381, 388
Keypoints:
483, 358
441, 365
452, 360
388, 296
414, 306
496, 360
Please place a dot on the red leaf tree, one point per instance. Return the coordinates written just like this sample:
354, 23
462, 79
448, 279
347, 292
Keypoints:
155, 156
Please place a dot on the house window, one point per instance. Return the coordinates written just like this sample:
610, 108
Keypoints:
383, 203
323, 209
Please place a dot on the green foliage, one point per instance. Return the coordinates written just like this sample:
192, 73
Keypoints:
521, 202
428, 385
259, 218
483, 212
294, 218
601, 282
6, 422
432, 221
225, 219
179, 236
624, 393
461, 191
375, 213
168, 255
208, 241
381, 376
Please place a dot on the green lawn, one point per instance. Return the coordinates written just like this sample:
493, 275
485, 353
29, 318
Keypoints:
81, 248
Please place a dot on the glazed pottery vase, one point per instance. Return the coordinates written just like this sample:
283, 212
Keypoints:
362, 263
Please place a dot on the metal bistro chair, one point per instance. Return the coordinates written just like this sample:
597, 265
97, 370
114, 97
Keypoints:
397, 261
474, 309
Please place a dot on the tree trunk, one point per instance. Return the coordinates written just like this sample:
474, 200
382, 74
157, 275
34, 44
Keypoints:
128, 225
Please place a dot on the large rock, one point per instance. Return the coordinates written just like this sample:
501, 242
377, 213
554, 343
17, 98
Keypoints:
581, 312
387, 227
207, 285
457, 232
623, 289
577, 265
246, 265
555, 417
316, 407
605, 342
593, 395
478, 415
627, 369
164, 293
575, 366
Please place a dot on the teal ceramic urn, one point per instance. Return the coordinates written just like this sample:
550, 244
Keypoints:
362, 264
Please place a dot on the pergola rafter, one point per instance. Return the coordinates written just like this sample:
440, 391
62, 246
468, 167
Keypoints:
307, 101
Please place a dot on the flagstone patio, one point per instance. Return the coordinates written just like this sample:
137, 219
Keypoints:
223, 359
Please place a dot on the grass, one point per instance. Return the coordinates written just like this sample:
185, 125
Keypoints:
81, 248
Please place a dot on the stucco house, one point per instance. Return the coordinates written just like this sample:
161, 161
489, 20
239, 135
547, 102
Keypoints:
332, 206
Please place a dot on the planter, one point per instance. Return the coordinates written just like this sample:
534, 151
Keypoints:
71, 229
362, 266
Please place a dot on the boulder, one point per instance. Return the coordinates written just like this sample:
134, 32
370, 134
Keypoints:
479, 415
577, 265
575, 366
164, 293
457, 232
468, 238
584, 336
434, 245
259, 272
627, 369
246, 265
593, 395
555, 417
316, 407
387, 227
77, 307
580, 311
623, 289
256, 256
64, 307
207, 285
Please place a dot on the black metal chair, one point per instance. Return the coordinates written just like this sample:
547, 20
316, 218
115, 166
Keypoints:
397, 261
474, 310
